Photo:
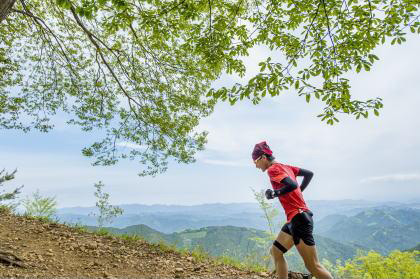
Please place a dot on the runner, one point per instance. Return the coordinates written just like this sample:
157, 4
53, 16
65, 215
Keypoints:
298, 228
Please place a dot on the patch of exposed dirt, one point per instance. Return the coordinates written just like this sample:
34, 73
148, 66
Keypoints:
50, 250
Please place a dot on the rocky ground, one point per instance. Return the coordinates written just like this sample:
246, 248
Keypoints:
51, 250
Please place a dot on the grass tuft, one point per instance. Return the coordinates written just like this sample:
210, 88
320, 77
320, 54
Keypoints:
6, 209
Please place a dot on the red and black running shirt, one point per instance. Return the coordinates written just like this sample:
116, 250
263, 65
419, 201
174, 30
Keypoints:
292, 202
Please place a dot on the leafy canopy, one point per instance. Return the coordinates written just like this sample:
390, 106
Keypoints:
140, 71
136, 70
320, 41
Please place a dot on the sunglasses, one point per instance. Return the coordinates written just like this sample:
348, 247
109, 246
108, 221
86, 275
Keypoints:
259, 158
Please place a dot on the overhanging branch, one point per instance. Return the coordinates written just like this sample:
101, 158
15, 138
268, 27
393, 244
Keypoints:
5, 8
93, 39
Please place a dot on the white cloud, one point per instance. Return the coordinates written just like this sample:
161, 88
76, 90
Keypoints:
392, 178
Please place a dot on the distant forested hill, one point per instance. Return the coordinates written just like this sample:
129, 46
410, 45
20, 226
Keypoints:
338, 236
237, 242
382, 230
417, 248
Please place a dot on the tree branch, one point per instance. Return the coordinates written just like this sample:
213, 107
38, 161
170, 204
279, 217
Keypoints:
41, 23
93, 38
5, 8
210, 17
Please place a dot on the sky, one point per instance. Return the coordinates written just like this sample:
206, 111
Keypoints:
371, 159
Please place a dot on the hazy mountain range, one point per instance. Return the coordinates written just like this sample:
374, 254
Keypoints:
382, 230
176, 218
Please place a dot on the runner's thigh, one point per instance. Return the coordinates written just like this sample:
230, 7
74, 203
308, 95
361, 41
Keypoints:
285, 239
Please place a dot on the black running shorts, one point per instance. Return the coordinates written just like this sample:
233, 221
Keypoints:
301, 227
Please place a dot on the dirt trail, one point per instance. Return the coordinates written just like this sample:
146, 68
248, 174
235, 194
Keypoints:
50, 250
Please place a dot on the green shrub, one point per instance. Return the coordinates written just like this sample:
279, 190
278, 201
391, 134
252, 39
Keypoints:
81, 228
131, 238
38, 206
103, 232
199, 253
373, 265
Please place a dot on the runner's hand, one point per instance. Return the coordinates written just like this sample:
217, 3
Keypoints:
269, 194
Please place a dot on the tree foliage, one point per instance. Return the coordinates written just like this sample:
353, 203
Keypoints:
106, 211
321, 41
269, 212
7, 198
373, 265
137, 72
264, 243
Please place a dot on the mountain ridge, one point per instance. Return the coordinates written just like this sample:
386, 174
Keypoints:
178, 218
380, 229
238, 243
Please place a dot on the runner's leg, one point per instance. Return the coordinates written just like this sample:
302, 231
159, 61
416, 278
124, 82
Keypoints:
310, 258
280, 262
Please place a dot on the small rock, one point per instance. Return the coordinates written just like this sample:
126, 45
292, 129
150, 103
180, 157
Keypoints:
179, 269
92, 245
190, 259
263, 274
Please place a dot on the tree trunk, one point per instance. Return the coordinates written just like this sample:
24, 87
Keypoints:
5, 8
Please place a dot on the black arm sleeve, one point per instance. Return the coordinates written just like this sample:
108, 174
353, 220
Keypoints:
289, 186
307, 176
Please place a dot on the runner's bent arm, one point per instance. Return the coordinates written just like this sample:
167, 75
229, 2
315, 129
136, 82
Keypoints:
307, 176
290, 185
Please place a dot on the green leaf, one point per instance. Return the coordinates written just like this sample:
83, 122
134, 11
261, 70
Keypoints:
263, 67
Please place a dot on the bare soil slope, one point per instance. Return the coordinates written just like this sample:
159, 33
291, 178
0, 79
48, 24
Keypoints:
50, 250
